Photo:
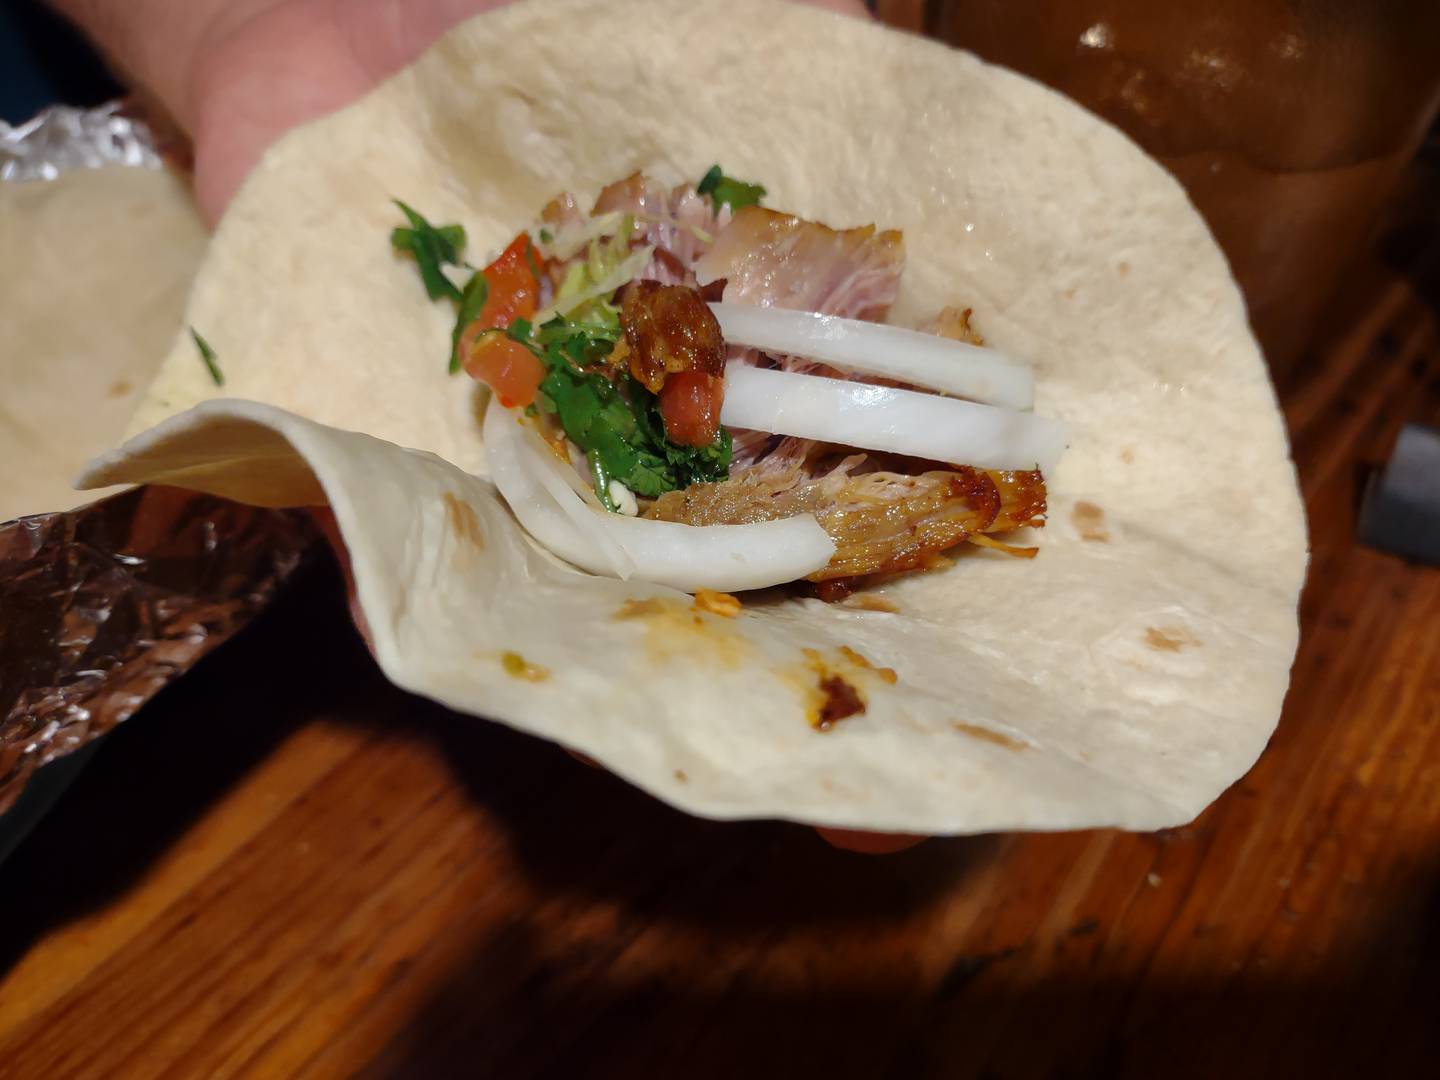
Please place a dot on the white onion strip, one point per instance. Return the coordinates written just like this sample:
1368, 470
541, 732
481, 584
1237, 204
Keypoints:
728, 558
937, 363
882, 418
561, 483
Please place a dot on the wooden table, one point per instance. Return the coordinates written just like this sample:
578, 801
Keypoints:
340, 878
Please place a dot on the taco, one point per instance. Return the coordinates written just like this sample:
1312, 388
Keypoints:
1123, 676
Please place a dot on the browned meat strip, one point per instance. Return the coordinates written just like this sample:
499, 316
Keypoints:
881, 522
675, 350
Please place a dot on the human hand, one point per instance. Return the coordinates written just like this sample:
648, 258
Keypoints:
238, 74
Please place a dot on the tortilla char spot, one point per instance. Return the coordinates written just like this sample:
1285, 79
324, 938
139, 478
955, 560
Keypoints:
839, 700
517, 667
1122, 268
832, 686
461, 519
990, 735
1127, 456
1171, 639
119, 388
680, 776
871, 602
1089, 522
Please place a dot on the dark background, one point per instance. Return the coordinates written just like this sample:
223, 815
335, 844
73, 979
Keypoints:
44, 61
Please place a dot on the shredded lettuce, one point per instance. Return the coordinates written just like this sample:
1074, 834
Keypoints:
584, 295
573, 239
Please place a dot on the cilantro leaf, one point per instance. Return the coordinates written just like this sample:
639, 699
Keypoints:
207, 355
726, 190
617, 424
472, 302
688, 464
433, 248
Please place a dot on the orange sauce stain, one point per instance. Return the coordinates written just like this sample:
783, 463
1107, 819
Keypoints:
1172, 640
871, 602
1089, 522
984, 734
716, 603
462, 522
517, 667
675, 631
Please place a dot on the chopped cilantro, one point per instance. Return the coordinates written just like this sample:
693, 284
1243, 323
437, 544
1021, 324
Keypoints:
617, 424
726, 190
472, 302
433, 248
207, 355
546, 236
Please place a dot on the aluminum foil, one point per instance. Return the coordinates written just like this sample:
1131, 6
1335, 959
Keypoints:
63, 138
102, 606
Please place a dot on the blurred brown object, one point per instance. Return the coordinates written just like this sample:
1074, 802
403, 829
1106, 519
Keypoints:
1287, 121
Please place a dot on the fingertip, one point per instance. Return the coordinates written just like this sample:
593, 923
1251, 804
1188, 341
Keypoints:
868, 843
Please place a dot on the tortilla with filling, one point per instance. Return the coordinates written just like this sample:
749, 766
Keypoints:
1124, 677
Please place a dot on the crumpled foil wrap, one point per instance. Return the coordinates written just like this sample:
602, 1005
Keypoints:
102, 606
63, 138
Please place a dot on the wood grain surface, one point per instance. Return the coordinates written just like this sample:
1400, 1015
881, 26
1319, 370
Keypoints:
287, 867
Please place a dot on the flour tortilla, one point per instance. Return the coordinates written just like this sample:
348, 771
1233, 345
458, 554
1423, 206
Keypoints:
1124, 677
94, 270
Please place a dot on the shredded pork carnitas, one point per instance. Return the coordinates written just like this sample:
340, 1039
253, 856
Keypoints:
881, 522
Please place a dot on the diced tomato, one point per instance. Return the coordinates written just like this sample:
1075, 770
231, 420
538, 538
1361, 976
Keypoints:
513, 290
504, 365
690, 406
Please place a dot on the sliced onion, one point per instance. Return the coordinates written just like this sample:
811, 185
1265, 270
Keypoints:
562, 485
727, 558
928, 360
882, 418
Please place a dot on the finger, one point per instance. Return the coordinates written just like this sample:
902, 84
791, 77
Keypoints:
868, 843
845, 7
324, 519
